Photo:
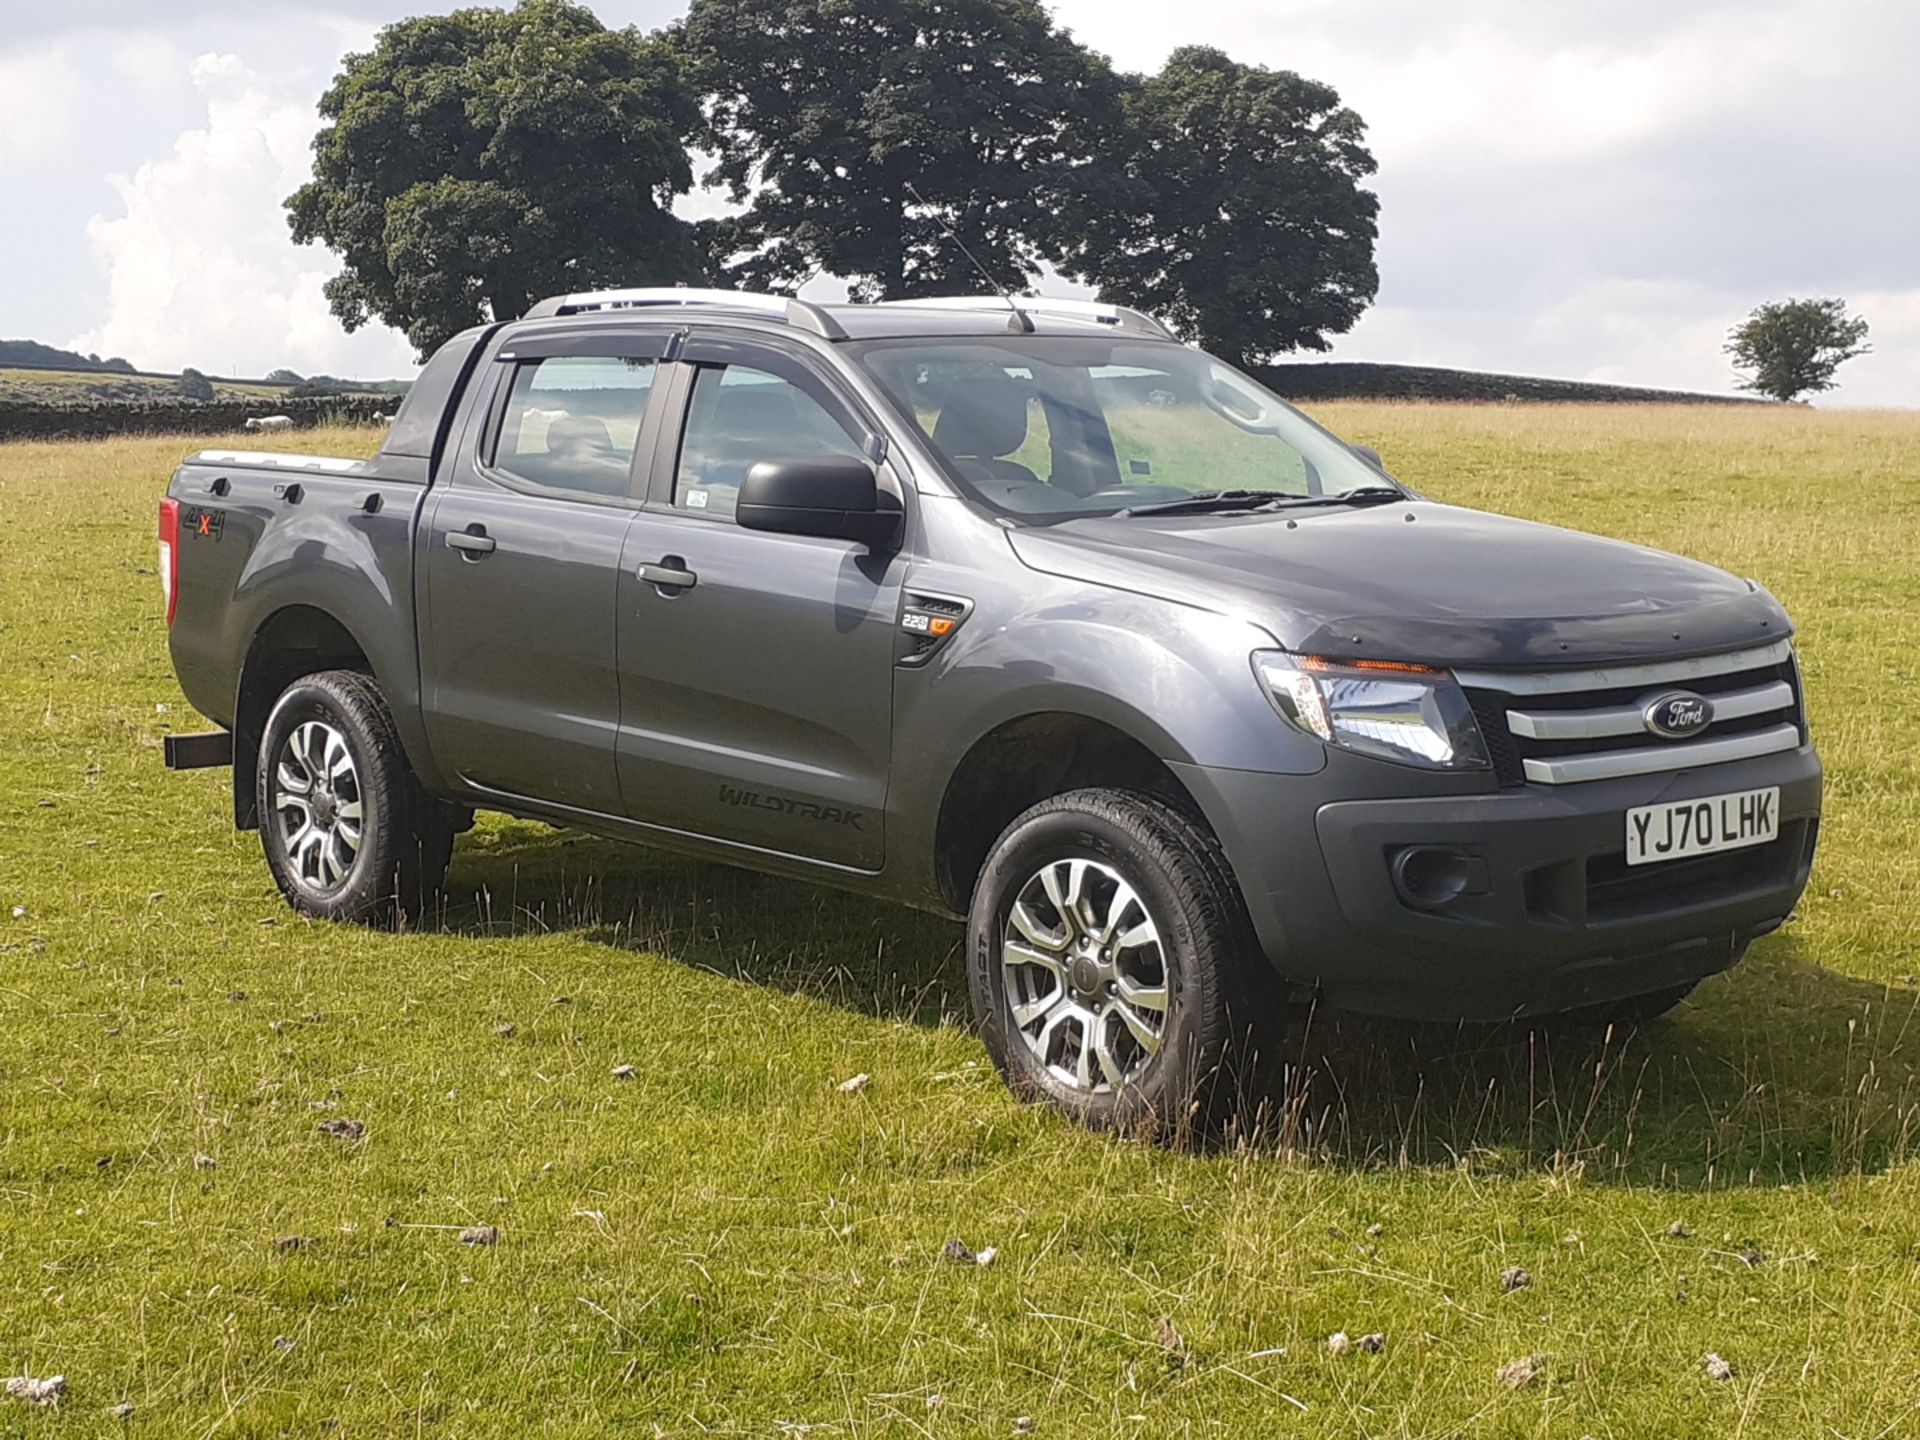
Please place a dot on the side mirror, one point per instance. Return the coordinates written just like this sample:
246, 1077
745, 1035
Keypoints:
834, 496
1371, 456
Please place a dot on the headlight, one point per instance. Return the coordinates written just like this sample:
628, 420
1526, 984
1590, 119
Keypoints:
1408, 713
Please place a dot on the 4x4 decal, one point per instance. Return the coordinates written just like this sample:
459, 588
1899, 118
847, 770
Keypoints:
208, 524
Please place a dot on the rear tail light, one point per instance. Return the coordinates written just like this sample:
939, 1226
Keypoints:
170, 554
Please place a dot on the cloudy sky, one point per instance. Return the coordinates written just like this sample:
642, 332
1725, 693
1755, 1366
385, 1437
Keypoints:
1584, 188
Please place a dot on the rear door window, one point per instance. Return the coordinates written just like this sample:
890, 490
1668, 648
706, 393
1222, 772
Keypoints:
571, 423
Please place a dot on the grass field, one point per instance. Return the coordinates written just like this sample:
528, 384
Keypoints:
58, 386
726, 1244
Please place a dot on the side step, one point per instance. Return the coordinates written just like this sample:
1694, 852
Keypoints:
208, 751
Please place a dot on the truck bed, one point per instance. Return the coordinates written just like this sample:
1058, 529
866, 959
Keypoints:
306, 555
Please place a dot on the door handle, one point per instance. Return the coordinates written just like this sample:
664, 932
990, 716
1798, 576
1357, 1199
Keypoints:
472, 542
670, 573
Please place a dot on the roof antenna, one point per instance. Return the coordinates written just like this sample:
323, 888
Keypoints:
1021, 320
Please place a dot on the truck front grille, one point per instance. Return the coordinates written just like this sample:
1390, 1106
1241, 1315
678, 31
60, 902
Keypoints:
1561, 727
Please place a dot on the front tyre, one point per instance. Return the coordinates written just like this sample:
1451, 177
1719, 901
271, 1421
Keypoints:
1113, 971
348, 833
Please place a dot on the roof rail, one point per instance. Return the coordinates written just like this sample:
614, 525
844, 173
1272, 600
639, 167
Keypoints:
795, 312
1097, 311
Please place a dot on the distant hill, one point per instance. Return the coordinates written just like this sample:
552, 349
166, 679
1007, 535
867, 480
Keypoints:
334, 385
33, 372
32, 355
1297, 380
1361, 380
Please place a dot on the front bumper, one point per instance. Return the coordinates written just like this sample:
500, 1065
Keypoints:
1553, 919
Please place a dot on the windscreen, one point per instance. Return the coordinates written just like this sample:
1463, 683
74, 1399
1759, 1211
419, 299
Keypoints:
1050, 427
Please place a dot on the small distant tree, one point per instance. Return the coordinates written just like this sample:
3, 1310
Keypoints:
1241, 216
284, 377
471, 163
194, 386
1794, 346
323, 385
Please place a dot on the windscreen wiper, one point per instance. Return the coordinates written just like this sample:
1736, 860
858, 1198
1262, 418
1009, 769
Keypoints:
1202, 502
1213, 502
1364, 495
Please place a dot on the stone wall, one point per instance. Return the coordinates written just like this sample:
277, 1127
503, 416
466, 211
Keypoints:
1327, 380
169, 415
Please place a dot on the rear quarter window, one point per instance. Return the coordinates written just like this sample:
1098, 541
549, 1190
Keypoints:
416, 427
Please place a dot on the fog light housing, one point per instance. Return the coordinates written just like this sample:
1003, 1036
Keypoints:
1429, 877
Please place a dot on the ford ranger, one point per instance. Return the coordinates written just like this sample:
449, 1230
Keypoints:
1014, 609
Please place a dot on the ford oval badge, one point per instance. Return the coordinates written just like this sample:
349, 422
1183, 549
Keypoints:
1678, 714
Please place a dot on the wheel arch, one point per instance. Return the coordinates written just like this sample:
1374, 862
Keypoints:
294, 640
1028, 758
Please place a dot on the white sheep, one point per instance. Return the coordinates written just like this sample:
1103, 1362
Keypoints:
270, 422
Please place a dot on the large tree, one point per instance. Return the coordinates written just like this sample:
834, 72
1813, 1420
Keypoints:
1241, 217
473, 162
1794, 346
830, 116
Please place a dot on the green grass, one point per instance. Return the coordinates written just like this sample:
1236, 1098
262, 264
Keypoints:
725, 1244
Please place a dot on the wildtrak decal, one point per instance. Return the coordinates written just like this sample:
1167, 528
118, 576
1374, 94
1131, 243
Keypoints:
782, 805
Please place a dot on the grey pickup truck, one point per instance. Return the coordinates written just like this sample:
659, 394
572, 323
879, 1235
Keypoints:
1021, 611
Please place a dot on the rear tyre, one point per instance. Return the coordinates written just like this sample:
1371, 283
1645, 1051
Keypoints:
1113, 970
347, 830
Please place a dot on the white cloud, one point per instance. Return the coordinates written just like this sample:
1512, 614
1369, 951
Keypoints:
38, 91
1490, 90
1664, 334
1601, 191
148, 61
1574, 190
705, 202
200, 268
1891, 374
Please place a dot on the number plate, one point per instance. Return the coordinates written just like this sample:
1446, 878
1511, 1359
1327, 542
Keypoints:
1701, 827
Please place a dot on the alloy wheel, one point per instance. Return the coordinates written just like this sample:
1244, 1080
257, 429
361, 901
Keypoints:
318, 805
1086, 975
